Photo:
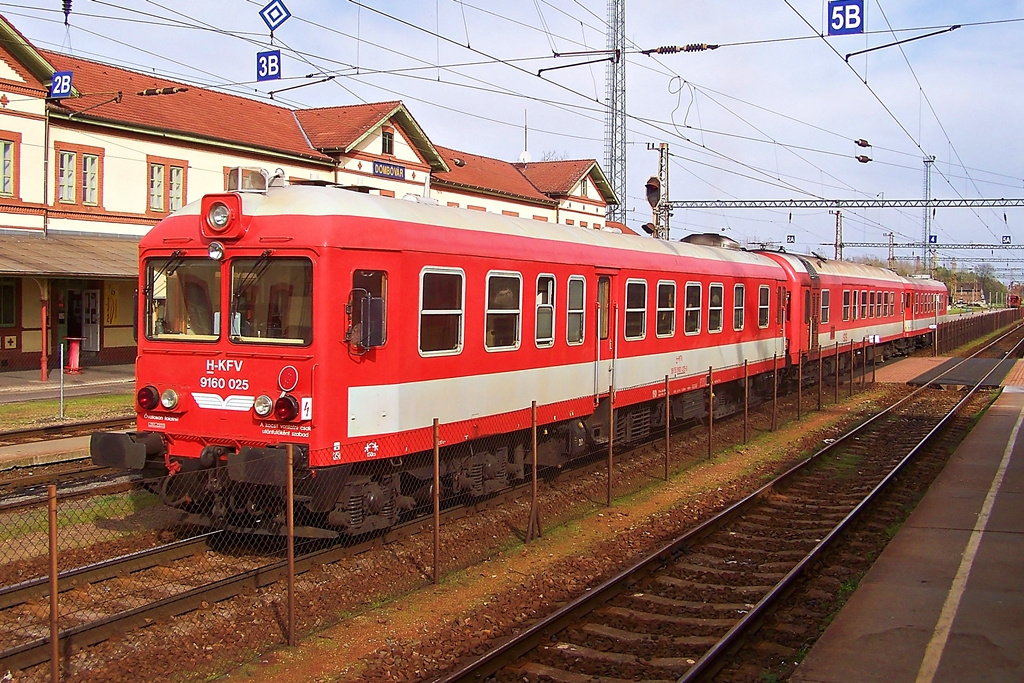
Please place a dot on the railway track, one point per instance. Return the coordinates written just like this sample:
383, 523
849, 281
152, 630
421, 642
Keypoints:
677, 613
60, 431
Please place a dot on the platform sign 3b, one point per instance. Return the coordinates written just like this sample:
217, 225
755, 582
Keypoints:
268, 65
845, 17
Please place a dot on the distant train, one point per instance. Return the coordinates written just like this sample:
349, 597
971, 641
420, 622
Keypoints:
1013, 301
343, 324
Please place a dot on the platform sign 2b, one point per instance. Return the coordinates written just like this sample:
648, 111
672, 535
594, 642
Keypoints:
268, 65
845, 17
61, 84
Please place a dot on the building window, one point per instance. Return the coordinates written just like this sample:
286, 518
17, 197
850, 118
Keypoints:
168, 184
7, 159
666, 309
504, 292
544, 333
90, 179
576, 312
824, 305
583, 187
636, 309
739, 295
66, 177
716, 301
763, 306
441, 296
387, 142
176, 192
691, 309
8, 301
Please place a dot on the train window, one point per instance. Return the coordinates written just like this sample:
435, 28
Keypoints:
271, 300
182, 298
691, 309
666, 309
856, 304
576, 312
504, 294
871, 305
545, 328
807, 307
442, 292
367, 309
738, 307
763, 308
716, 302
636, 309
863, 304
604, 285
846, 304
824, 305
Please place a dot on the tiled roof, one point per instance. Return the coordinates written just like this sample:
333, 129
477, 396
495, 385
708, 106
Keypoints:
338, 128
555, 177
198, 112
473, 172
57, 255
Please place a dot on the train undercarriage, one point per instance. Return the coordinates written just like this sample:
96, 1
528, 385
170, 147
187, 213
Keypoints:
244, 491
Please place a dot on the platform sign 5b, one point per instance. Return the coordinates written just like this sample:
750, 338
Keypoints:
845, 17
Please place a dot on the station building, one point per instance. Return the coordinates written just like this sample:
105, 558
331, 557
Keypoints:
84, 177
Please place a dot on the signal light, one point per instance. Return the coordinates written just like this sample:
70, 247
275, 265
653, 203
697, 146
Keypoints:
286, 408
148, 397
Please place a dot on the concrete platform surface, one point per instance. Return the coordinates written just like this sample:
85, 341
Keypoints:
945, 600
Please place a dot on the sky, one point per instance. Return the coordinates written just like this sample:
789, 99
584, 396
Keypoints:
772, 113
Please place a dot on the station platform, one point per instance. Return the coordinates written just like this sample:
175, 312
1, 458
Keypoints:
945, 600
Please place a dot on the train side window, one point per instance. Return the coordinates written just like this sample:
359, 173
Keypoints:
807, 306
544, 333
856, 304
576, 312
666, 324
738, 307
502, 319
604, 289
863, 304
367, 309
716, 303
846, 304
824, 306
691, 309
871, 305
763, 306
442, 292
636, 309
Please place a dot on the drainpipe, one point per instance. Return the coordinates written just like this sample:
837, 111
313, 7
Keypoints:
46, 168
44, 297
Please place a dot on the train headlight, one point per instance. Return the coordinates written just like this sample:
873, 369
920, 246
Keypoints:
263, 405
218, 216
286, 408
169, 399
148, 397
216, 251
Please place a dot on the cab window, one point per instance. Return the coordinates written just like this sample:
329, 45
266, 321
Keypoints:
271, 301
182, 298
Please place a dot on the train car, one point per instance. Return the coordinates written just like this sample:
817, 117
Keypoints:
337, 326
1013, 301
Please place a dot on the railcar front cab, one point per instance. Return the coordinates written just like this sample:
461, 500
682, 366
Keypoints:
269, 305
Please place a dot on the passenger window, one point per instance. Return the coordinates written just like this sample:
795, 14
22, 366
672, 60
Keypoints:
576, 312
846, 304
603, 305
691, 311
504, 292
666, 323
441, 310
545, 327
716, 302
636, 309
824, 305
763, 306
738, 307
863, 304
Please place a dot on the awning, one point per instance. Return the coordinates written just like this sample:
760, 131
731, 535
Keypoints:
69, 256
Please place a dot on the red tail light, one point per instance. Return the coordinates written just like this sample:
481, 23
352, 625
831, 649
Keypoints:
286, 408
148, 397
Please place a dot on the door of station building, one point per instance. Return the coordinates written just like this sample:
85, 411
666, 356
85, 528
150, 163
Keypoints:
91, 320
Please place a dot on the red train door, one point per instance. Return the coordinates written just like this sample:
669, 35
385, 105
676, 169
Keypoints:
812, 308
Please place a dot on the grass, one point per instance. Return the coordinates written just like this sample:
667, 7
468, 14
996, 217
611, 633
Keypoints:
29, 414
77, 512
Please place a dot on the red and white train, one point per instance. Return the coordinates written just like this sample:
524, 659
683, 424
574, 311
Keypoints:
343, 324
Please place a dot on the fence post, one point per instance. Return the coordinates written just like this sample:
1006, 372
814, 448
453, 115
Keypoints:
746, 397
533, 530
711, 410
799, 389
611, 438
775, 388
852, 363
668, 419
837, 374
820, 378
289, 450
874, 364
437, 503
51, 492
864, 363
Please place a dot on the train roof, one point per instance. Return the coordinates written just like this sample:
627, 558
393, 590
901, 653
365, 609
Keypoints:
333, 201
847, 270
